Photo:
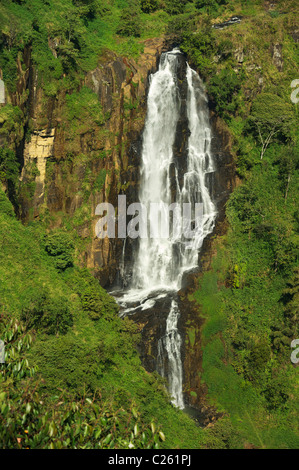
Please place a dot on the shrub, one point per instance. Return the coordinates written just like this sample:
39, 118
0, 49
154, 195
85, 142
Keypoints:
51, 314
30, 419
60, 245
290, 299
5, 205
200, 48
210, 5
9, 167
223, 89
180, 24
129, 24
288, 165
11, 126
259, 356
175, 7
276, 394
148, 6
97, 303
83, 112
222, 435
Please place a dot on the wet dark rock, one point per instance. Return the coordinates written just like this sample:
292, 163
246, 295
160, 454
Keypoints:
152, 324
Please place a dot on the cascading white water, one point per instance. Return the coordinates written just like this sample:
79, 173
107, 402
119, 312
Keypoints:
155, 267
171, 343
154, 262
200, 163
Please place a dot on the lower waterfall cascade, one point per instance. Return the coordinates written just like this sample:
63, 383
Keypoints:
159, 264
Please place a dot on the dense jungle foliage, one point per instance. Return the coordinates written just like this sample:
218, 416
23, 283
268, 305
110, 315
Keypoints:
73, 378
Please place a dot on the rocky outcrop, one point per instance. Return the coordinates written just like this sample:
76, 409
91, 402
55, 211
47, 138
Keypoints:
229, 22
37, 151
277, 56
239, 55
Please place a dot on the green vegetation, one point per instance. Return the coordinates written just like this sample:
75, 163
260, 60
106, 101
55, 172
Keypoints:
250, 310
49, 314
27, 422
272, 115
83, 109
11, 121
9, 172
66, 344
149, 6
59, 245
96, 303
68, 36
73, 377
130, 24
249, 296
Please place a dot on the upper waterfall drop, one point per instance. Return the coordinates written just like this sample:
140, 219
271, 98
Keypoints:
153, 263
161, 262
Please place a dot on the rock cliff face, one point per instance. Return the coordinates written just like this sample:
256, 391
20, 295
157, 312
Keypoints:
56, 164
67, 174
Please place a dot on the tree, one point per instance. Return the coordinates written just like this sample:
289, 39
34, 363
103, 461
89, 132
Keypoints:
288, 164
149, 6
271, 116
66, 29
223, 88
175, 7
211, 5
51, 314
130, 24
60, 245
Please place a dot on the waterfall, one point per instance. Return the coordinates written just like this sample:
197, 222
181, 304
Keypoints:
159, 263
